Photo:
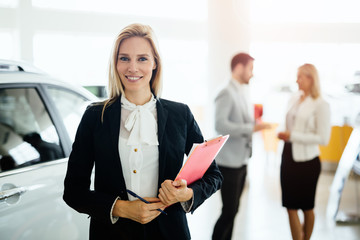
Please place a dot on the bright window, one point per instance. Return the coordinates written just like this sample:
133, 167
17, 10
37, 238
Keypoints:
185, 9
275, 70
81, 59
6, 45
185, 75
319, 11
9, 3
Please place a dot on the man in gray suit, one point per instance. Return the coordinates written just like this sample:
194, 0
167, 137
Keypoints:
234, 116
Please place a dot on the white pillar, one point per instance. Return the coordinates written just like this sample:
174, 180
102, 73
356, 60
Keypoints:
229, 33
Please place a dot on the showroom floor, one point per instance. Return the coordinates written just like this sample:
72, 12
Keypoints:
261, 215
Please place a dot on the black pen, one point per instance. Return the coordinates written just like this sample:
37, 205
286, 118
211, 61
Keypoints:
137, 196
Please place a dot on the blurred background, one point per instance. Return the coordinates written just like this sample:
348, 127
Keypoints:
72, 40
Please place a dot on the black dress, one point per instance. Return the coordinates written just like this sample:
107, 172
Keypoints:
298, 180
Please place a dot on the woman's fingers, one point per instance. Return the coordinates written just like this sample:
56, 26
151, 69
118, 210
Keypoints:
142, 212
163, 196
174, 191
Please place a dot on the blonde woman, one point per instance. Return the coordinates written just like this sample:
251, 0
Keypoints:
137, 142
307, 127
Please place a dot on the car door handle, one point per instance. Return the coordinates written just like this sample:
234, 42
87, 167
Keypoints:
17, 191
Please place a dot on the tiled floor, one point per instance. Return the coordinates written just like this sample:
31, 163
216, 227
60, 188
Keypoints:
261, 215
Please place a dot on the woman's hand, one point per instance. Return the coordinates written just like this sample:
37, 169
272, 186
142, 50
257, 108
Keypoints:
174, 191
284, 135
261, 126
137, 210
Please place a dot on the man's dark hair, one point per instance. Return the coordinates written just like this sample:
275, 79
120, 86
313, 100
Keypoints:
240, 58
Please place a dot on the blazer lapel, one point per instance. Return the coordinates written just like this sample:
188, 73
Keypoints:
162, 115
112, 119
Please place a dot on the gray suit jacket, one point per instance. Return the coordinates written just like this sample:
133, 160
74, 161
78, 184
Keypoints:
232, 117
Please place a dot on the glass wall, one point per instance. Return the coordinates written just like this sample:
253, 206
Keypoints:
305, 11
72, 40
275, 72
186, 9
7, 45
287, 34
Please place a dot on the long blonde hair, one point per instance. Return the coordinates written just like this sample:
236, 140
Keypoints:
310, 71
116, 87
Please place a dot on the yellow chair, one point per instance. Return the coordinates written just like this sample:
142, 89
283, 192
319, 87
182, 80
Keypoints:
338, 140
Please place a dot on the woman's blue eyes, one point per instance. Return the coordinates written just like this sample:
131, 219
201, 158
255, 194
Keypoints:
125, 59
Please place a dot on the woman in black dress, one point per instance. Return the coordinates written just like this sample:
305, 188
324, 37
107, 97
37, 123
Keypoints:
307, 127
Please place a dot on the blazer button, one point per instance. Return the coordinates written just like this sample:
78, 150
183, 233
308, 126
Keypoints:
135, 149
134, 171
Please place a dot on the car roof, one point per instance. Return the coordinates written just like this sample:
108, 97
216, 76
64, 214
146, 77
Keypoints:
15, 72
18, 66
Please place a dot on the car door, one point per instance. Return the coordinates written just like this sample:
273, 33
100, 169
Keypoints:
33, 163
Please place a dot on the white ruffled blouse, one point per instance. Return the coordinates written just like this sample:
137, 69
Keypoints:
138, 147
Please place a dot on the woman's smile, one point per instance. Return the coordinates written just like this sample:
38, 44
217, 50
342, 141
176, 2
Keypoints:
133, 78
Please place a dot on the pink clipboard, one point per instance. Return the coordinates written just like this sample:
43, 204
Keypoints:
200, 159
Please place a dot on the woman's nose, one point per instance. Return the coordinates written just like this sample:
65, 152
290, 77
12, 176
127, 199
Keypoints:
132, 66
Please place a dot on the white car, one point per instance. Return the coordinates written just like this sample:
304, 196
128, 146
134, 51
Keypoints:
38, 121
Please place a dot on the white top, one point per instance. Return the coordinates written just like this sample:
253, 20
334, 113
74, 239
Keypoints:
309, 124
291, 115
139, 152
138, 147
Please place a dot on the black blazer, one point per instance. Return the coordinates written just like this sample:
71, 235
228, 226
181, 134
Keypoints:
96, 143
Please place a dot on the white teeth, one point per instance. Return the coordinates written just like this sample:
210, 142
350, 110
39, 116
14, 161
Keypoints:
133, 78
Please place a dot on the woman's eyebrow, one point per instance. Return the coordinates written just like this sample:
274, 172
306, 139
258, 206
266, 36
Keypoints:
143, 55
140, 55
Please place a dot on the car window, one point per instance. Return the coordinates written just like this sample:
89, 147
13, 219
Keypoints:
27, 134
71, 107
